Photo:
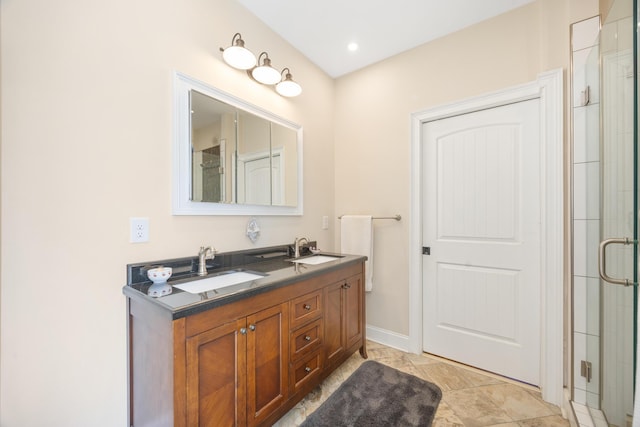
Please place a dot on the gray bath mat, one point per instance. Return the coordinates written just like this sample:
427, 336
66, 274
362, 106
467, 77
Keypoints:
377, 395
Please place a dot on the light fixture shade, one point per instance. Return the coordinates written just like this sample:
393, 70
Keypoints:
288, 87
237, 55
265, 73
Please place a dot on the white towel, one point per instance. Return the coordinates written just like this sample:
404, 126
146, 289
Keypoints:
636, 407
356, 238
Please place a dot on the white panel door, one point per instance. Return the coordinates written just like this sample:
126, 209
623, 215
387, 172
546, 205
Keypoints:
481, 207
260, 180
257, 180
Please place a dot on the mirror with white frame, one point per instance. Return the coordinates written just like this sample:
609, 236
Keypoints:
231, 157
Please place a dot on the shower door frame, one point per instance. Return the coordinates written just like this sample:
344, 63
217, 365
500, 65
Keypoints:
609, 200
612, 291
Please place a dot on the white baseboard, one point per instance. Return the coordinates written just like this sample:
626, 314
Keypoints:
388, 338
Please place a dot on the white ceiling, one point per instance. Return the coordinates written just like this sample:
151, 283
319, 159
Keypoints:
322, 29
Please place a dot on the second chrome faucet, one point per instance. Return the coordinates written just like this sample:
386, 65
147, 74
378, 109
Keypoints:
296, 246
203, 254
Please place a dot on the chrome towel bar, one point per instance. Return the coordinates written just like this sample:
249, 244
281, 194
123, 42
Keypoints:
396, 217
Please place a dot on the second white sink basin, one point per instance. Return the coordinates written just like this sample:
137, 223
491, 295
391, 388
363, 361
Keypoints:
316, 259
220, 281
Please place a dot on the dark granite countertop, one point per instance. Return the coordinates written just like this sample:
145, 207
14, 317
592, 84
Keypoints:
273, 261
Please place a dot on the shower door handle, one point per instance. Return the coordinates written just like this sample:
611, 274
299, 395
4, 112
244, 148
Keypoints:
602, 260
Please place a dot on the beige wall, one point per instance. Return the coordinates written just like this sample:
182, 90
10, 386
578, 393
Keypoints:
605, 6
373, 115
86, 144
86, 97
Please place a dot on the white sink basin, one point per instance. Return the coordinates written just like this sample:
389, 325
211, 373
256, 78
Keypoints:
316, 259
220, 281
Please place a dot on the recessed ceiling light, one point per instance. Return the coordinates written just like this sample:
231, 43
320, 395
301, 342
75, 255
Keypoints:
353, 46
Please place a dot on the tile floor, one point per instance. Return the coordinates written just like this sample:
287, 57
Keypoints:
470, 398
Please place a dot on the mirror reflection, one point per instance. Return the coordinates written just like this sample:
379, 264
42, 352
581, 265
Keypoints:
236, 150
233, 158
253, 162
212, 125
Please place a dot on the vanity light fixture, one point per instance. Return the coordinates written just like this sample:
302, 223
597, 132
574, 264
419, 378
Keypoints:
237, 55
265, 73
287, 87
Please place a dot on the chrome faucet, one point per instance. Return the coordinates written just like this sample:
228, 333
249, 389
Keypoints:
296, 246
203, 254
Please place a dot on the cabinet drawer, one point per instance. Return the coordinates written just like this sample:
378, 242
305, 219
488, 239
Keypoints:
305, 308
306, 339
306, 370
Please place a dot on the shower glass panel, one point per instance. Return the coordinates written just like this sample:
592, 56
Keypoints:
618, 217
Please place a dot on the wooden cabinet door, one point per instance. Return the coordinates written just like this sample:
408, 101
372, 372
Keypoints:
267, 361
353, 321
333, 322
216, 376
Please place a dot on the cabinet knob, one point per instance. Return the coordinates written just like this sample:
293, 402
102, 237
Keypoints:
243, 331
307, 338
252, 327
346, 286
307, 369
307, 307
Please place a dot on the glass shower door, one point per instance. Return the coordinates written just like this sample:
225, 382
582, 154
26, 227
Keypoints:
619, 215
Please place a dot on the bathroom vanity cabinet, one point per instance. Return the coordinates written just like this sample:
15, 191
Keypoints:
236, 372
343, 315
246, 362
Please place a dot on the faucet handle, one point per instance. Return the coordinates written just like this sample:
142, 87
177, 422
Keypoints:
207, 252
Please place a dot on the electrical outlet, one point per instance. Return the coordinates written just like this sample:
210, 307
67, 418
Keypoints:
325, 222
139, 230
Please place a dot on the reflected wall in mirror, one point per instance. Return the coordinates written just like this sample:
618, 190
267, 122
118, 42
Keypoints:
253, 161
232, 158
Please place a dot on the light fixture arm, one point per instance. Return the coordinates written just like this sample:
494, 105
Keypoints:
267, 60
238, 42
